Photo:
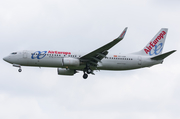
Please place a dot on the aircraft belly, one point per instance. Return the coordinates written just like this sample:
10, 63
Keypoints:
118, 65
111, 65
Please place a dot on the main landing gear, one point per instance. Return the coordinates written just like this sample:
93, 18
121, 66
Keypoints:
87, 71
85, 76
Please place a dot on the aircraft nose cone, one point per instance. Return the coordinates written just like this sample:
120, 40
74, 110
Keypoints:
5, 59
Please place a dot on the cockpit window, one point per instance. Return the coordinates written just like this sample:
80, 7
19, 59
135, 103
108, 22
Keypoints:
14, 53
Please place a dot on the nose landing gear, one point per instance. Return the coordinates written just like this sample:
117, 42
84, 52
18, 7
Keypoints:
17, 65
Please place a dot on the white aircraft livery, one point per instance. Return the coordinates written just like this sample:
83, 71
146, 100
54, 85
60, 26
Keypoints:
68, 63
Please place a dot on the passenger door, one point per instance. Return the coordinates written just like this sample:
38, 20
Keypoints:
139, 60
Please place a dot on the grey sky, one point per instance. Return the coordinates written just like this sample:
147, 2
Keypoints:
82, 26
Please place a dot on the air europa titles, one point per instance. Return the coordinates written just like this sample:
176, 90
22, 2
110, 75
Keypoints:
42, 54
153, 43
57, 52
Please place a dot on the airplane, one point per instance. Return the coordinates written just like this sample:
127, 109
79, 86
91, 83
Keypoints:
68, 63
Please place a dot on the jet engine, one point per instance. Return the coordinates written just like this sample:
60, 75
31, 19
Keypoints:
70, 61
69, 72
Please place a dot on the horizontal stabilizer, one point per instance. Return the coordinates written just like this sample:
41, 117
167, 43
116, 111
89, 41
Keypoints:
162, 56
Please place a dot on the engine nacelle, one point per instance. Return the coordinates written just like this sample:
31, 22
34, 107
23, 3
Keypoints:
69, 72
70, 61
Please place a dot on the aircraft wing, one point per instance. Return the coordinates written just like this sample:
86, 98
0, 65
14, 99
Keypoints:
97, 55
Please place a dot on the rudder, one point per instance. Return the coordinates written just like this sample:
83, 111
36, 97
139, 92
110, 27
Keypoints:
155, 46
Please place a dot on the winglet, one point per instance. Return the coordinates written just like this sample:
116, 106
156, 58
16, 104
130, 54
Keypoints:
122, 34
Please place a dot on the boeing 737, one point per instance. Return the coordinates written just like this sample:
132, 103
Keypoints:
69, 63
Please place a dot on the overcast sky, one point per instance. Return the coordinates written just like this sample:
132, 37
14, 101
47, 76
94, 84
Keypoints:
83, 26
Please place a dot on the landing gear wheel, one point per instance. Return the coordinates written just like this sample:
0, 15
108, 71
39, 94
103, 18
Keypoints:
20, 70
89, 71
85, 76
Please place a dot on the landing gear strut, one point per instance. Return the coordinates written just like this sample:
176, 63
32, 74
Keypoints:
87, 71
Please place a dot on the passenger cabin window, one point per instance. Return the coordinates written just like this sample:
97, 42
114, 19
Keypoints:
14, 53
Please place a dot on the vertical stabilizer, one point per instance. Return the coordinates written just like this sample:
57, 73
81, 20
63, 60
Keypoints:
155, 46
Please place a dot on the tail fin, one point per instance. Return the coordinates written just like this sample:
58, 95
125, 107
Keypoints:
155, 46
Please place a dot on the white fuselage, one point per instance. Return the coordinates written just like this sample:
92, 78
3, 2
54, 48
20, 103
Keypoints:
55, 59
68, 63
